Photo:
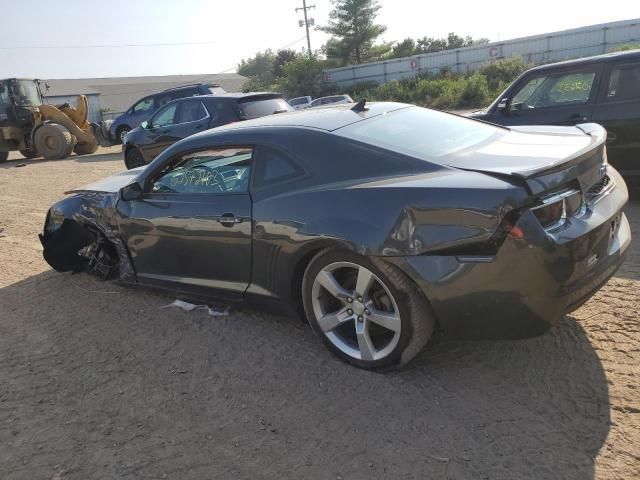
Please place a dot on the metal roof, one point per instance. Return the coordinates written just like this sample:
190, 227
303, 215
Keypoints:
119, 93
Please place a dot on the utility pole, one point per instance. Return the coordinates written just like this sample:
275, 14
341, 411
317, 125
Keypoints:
307, 22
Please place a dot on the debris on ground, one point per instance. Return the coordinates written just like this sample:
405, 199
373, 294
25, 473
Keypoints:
189, 307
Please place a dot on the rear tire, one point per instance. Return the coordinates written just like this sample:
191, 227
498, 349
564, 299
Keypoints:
29, 153
133, 158
85, 149
4, 156
386, 325
54, 141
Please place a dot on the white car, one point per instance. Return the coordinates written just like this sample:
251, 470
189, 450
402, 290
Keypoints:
299, 103
331, 100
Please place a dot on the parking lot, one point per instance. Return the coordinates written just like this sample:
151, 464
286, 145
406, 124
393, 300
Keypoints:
97, 381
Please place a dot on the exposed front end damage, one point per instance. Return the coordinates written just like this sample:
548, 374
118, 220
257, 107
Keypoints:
81, 234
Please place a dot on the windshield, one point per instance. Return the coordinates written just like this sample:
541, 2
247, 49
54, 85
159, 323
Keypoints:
259, 108
25, 93
421, 133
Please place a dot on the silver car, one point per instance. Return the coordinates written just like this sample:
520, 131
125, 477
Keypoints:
331, 100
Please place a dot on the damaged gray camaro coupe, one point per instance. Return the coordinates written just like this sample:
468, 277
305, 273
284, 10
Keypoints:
380, 223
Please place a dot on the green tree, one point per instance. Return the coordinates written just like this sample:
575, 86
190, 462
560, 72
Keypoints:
405, 48
304, 76
351, 24
281, 59
261, 65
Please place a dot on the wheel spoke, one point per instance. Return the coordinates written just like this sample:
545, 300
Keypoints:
365, 345
364, 282
330, 321
329, 282
388, 320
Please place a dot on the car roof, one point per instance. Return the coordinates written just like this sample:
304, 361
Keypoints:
228, 96
607, 57
325, 118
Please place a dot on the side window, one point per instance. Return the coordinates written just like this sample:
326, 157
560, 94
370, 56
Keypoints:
220, 170
165, 117
144, 105
191, 112
4, 95
274, 166
550, 91
624, 83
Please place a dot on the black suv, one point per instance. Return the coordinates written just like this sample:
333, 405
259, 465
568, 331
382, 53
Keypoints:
186, 116
603, 89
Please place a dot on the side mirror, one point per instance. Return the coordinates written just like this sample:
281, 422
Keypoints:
504, 106
131, 192
146, 124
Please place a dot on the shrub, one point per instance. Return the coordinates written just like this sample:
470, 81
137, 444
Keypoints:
447, 90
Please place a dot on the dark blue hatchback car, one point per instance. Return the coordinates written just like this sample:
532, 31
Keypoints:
147, 106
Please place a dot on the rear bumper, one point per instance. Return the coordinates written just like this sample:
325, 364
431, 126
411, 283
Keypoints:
532, 282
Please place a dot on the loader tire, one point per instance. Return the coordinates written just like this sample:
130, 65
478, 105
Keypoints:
85, 148
28, 153
53, 141
4, 156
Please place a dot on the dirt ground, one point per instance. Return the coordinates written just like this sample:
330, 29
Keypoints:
98, 382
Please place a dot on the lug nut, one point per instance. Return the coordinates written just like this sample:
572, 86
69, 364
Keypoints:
350, 300
367, 311
359, 299
360, 319
350, 312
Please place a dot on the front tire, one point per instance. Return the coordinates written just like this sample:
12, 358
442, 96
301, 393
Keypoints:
54, 141
29, 153
122, 132
85, 148
133, 158
367, 312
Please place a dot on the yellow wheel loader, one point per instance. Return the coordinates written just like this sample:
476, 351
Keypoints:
37, 129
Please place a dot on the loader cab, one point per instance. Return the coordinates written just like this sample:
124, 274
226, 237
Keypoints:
19, 100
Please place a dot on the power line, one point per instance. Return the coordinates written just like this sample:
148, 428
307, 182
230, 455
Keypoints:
126, 45
197, 79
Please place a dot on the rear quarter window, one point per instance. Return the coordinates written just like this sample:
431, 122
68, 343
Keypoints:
421, 133
257, 107
274, 166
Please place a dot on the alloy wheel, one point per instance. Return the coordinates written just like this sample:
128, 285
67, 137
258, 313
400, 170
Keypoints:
356, 311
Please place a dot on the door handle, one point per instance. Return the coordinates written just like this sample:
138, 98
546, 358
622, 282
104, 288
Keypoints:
229, 219
578, 117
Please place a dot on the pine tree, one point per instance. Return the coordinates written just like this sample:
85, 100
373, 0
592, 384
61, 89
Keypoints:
351, 23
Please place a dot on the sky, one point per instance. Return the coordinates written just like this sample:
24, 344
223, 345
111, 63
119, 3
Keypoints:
111, 38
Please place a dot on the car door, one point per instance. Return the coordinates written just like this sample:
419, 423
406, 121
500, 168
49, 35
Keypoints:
161, 131
193, 117
553, 98
618, 110
191, 230
141, 111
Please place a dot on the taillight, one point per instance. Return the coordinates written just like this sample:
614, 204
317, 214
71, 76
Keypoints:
555, 209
